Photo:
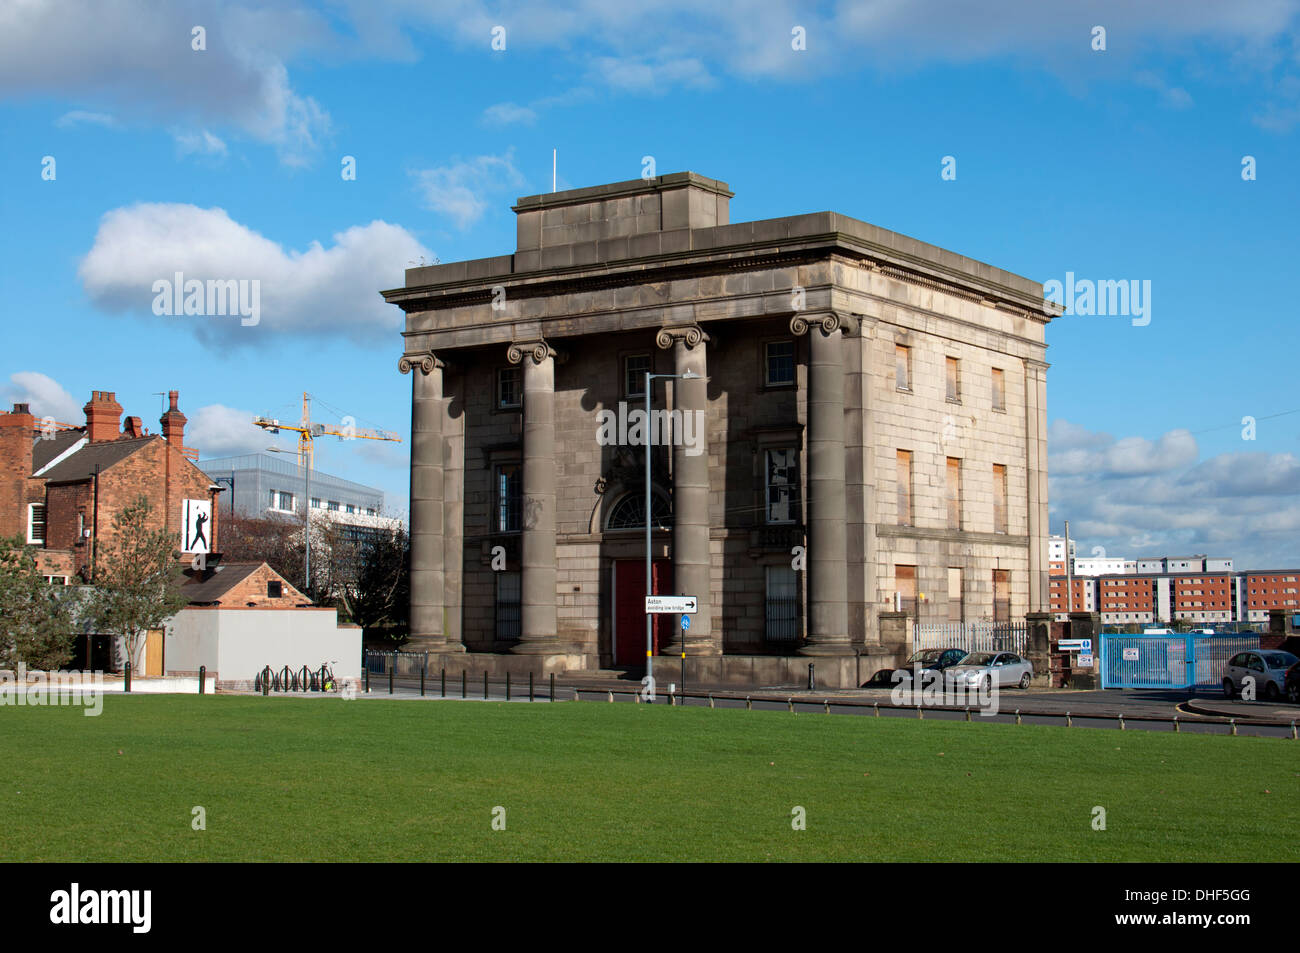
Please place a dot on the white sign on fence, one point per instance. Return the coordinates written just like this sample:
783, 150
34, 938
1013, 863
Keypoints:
671, 604
1130, 655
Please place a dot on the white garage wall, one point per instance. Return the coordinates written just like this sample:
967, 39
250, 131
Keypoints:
238, 643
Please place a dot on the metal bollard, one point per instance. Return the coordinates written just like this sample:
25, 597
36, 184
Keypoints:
463, 692
485, 685
1121, 722
749, 706
920, 713
1233, 722
827, 703
876, 706
423, 668
367, 664
552, 686
1017, 716
391, 668
1069, 722
812, 681
443, 678
507, 686
203, 677
711, 705
1176, 725
790, 704
968, 712
637, 698
611, 697
530, 686
266, 680
1293, 733
127, 670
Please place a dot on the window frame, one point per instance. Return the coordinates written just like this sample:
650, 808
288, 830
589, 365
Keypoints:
903, 351
905, 488
952, 379
624, 359
1000, 500
32, 539
501, 519
795, 484
517, 375
998, 389
768, 383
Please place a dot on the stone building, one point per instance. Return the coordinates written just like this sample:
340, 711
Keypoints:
864, 439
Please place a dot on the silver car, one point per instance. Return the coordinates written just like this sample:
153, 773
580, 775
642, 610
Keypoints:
1003, 669
1266, 667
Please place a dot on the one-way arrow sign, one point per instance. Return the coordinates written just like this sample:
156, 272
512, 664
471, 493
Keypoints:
671, 604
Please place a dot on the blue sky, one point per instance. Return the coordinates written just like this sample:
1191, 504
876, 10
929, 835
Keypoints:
1122, 163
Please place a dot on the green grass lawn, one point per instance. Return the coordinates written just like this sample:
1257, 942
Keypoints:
326, 779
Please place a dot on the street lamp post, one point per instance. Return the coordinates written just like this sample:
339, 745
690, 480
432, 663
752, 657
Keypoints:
306, 515
649, 621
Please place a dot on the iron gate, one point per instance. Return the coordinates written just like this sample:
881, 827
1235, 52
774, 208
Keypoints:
1180, 660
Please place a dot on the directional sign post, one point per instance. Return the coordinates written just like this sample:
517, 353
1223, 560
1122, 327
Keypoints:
1083, 646
655, 605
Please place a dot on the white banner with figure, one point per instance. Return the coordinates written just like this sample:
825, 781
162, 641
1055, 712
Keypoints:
196, 520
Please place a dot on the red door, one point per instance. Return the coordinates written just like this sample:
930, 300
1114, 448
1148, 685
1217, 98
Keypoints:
629, 608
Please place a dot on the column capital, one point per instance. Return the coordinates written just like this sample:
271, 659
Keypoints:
830, 322
692, 334
424, 361
538, 350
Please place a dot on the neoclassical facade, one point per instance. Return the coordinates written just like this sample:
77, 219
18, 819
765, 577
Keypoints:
850, 432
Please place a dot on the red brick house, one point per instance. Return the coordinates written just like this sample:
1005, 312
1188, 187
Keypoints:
60, 488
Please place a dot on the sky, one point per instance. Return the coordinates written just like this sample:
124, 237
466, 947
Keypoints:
1118, 140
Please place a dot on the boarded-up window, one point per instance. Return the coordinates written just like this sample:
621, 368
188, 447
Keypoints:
903, 367
999, 498
999, 390
905, 586
904, 488
1001, 595
953, 377
956, 607
953, 493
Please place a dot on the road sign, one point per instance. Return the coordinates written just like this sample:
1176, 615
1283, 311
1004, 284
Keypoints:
671, 604
1130, 655
686, 622
1076, 645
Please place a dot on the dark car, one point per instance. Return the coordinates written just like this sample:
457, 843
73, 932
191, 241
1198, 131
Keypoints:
927, 660
1292, 682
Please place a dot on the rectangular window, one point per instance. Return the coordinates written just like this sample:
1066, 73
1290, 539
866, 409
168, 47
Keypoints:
635, 368
954, 493
315, 502
999, 498
782, 482
902, 367
999, 390
782, 606
274, 589
350, 508
905, 586
36, 523
1001, 595
333, 506
510, 387
509, 493
508, 605
956, 606
953, 378
904, 479
274, 502
780, 363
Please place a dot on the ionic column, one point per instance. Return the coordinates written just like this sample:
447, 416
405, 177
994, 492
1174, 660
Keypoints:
692, 562
427, 631
1036, 482
538, 634
828, 628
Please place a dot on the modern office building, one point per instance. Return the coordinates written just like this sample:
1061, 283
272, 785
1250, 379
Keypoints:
848, 419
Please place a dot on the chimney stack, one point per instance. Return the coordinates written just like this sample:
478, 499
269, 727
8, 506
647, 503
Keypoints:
132, 428
173, 422
103, 416
16, 432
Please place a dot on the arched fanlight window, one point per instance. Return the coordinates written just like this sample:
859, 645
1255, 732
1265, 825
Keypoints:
629, 513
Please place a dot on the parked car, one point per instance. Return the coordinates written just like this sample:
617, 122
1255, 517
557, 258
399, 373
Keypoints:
931, 662
1267, 668
991, 668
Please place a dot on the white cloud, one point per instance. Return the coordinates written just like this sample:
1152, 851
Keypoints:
202, 143
461, 190
80, 116
321, 290
1138, 497
137, 56
221, 431
45, 395
638, 75
504, 114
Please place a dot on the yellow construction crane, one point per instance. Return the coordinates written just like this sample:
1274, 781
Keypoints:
308, 431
